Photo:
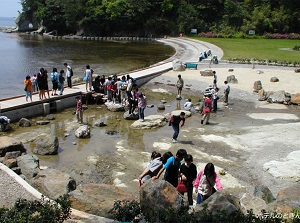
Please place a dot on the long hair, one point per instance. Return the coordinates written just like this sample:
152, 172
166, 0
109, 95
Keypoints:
209, 170
166, 156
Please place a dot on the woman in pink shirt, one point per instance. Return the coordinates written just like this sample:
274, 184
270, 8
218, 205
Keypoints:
205, 182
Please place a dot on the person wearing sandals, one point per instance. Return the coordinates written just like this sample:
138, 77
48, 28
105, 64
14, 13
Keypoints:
205, 183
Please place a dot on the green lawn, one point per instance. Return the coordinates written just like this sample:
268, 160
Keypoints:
268, 49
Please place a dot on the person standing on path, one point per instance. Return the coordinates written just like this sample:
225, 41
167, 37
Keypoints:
179, 85
41, 83
61, 81
215, 80
28, 88
35, 87
46, 85
88, 78
54, 79
226, 92
174, 122
172, 168
215, 99
79, 110
68, 74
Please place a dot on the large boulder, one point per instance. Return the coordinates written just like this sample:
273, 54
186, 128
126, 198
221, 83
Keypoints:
114, 107
9, 144
288, 199
53, 183
83, 132
96, 198
277, 97
151, 122
177, 112
232, 79
46, 145
206, 73
274, 79
295, 98
132, 116
262, 95
29, 165
219, 202
24, 122
161, 107
264, 193
159, 195
10, 159
257, 86
178, 65
257, 204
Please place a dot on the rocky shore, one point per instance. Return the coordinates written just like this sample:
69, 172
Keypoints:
254, 143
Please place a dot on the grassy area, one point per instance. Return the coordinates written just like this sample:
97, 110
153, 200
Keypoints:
268, 49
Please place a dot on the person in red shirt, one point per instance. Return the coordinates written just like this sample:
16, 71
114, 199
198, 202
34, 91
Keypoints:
207, 109
79, 110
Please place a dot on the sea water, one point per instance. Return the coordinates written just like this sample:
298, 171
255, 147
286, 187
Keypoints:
24, 54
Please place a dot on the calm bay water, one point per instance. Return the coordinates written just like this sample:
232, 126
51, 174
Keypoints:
7, 22
22, 54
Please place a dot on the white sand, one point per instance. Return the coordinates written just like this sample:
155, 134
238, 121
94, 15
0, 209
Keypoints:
289, 80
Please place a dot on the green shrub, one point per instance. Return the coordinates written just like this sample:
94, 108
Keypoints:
129, 210
297, 47
37, 211
125, 210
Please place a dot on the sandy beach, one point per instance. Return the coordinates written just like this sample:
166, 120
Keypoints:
288, 79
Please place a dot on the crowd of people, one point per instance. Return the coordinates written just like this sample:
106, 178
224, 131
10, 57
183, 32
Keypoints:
210, 99
40, 82
204, 183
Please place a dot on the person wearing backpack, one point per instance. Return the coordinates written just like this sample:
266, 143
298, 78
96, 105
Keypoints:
61, 80
69, 74
53, 78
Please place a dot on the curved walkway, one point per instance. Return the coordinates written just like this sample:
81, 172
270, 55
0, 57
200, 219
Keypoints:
12, 186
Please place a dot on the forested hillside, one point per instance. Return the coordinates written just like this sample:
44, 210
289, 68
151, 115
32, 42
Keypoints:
164, 17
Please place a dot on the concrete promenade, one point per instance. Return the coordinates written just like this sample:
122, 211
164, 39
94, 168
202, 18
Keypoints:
13, 186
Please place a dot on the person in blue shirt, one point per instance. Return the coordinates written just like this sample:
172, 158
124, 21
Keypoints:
54, 79
172, 167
